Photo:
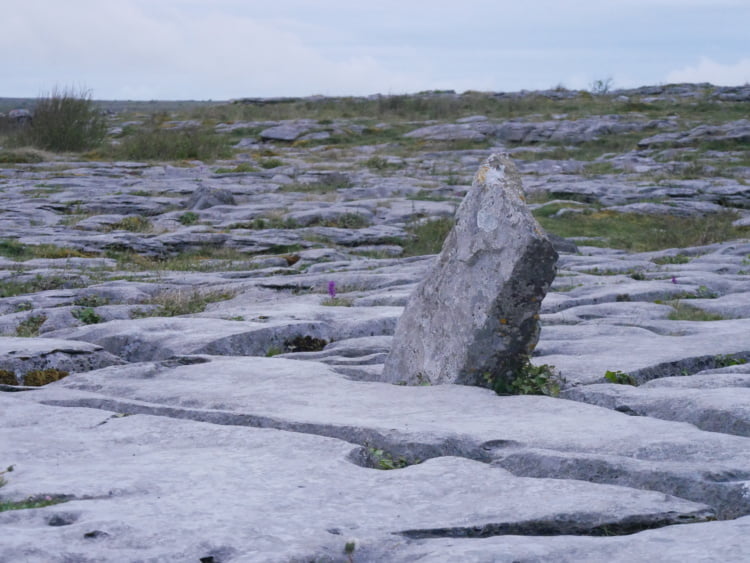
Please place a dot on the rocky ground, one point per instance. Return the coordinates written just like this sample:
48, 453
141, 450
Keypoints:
180, 382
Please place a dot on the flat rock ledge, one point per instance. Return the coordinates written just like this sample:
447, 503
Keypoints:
19, 356
246, 459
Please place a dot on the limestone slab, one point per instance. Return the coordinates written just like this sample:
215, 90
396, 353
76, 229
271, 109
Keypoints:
529, 435
584, 352
22, 355
153, 488
720, 409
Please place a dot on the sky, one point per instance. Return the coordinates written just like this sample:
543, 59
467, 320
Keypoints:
225, 49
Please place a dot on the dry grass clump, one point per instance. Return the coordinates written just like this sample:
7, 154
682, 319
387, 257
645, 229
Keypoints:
39, 377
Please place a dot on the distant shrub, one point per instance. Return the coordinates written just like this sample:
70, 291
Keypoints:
65, 120
602, 86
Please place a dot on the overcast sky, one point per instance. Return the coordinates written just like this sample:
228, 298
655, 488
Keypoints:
221, 49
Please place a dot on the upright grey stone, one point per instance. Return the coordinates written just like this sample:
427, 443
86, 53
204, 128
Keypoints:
474, 318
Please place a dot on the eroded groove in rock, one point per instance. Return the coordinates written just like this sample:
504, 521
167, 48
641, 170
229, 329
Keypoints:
684, 366
564, 525
727, 493
365, 437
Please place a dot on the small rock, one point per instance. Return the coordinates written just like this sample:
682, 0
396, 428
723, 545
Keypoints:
205, 197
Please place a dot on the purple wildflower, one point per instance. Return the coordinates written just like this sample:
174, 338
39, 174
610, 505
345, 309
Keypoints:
674, 279
332, 289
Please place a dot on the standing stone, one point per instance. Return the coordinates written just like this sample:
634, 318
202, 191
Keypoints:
475, 318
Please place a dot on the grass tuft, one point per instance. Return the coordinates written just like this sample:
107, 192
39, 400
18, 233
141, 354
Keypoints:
87, 315
11, 288
243, 168
29, 327
684, 312
337, 302
132, 223
176, 303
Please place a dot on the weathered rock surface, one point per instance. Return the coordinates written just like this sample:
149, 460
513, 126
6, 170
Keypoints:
204, 197
235, 456
528, 435
22, 355
675, 544
287, 131
290, 506
735, 131
474, 318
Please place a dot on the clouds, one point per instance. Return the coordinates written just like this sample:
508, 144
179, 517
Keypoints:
708, 70
150, 50
231, 48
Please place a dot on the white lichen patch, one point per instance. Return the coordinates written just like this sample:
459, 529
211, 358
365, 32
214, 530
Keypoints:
487, 220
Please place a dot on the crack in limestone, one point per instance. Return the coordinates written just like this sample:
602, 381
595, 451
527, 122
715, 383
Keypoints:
685, 366
562, 525
726, 496
395, 443
723, 491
